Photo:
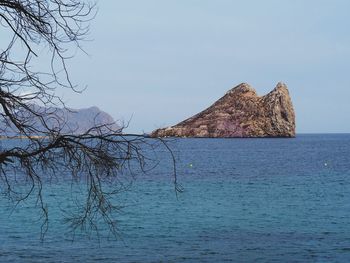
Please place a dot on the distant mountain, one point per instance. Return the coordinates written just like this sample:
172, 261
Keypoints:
240, 113
66, 120
81, 120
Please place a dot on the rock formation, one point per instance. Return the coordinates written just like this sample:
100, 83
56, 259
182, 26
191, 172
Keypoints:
240, 113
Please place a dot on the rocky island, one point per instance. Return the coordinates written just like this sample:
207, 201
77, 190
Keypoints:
240, 113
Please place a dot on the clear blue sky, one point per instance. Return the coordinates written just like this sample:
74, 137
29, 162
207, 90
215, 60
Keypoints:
160, 62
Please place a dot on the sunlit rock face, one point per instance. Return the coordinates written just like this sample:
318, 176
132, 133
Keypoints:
240, 113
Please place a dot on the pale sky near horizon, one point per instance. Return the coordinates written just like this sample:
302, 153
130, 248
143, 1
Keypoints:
159, 62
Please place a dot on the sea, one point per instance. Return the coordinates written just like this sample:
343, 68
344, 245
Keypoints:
243, 200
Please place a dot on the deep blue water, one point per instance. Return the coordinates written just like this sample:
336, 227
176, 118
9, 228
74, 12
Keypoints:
244, 200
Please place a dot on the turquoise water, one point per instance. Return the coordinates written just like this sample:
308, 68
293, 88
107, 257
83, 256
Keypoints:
244, 200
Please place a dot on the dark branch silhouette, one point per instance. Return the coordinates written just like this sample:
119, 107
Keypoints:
29, 109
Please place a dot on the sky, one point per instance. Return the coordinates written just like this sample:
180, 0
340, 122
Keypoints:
155, 63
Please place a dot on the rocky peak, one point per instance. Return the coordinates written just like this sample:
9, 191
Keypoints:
280, 88
281, 85
242, 88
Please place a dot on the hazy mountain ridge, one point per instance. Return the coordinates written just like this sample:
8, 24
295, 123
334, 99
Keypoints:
65, 120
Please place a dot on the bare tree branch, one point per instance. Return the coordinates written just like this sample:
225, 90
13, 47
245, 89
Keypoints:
29, 108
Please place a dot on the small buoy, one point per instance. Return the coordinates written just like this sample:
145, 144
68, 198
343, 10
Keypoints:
191, 165
325, 164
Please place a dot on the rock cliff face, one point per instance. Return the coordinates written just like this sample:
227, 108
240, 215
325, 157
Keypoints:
240, 113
